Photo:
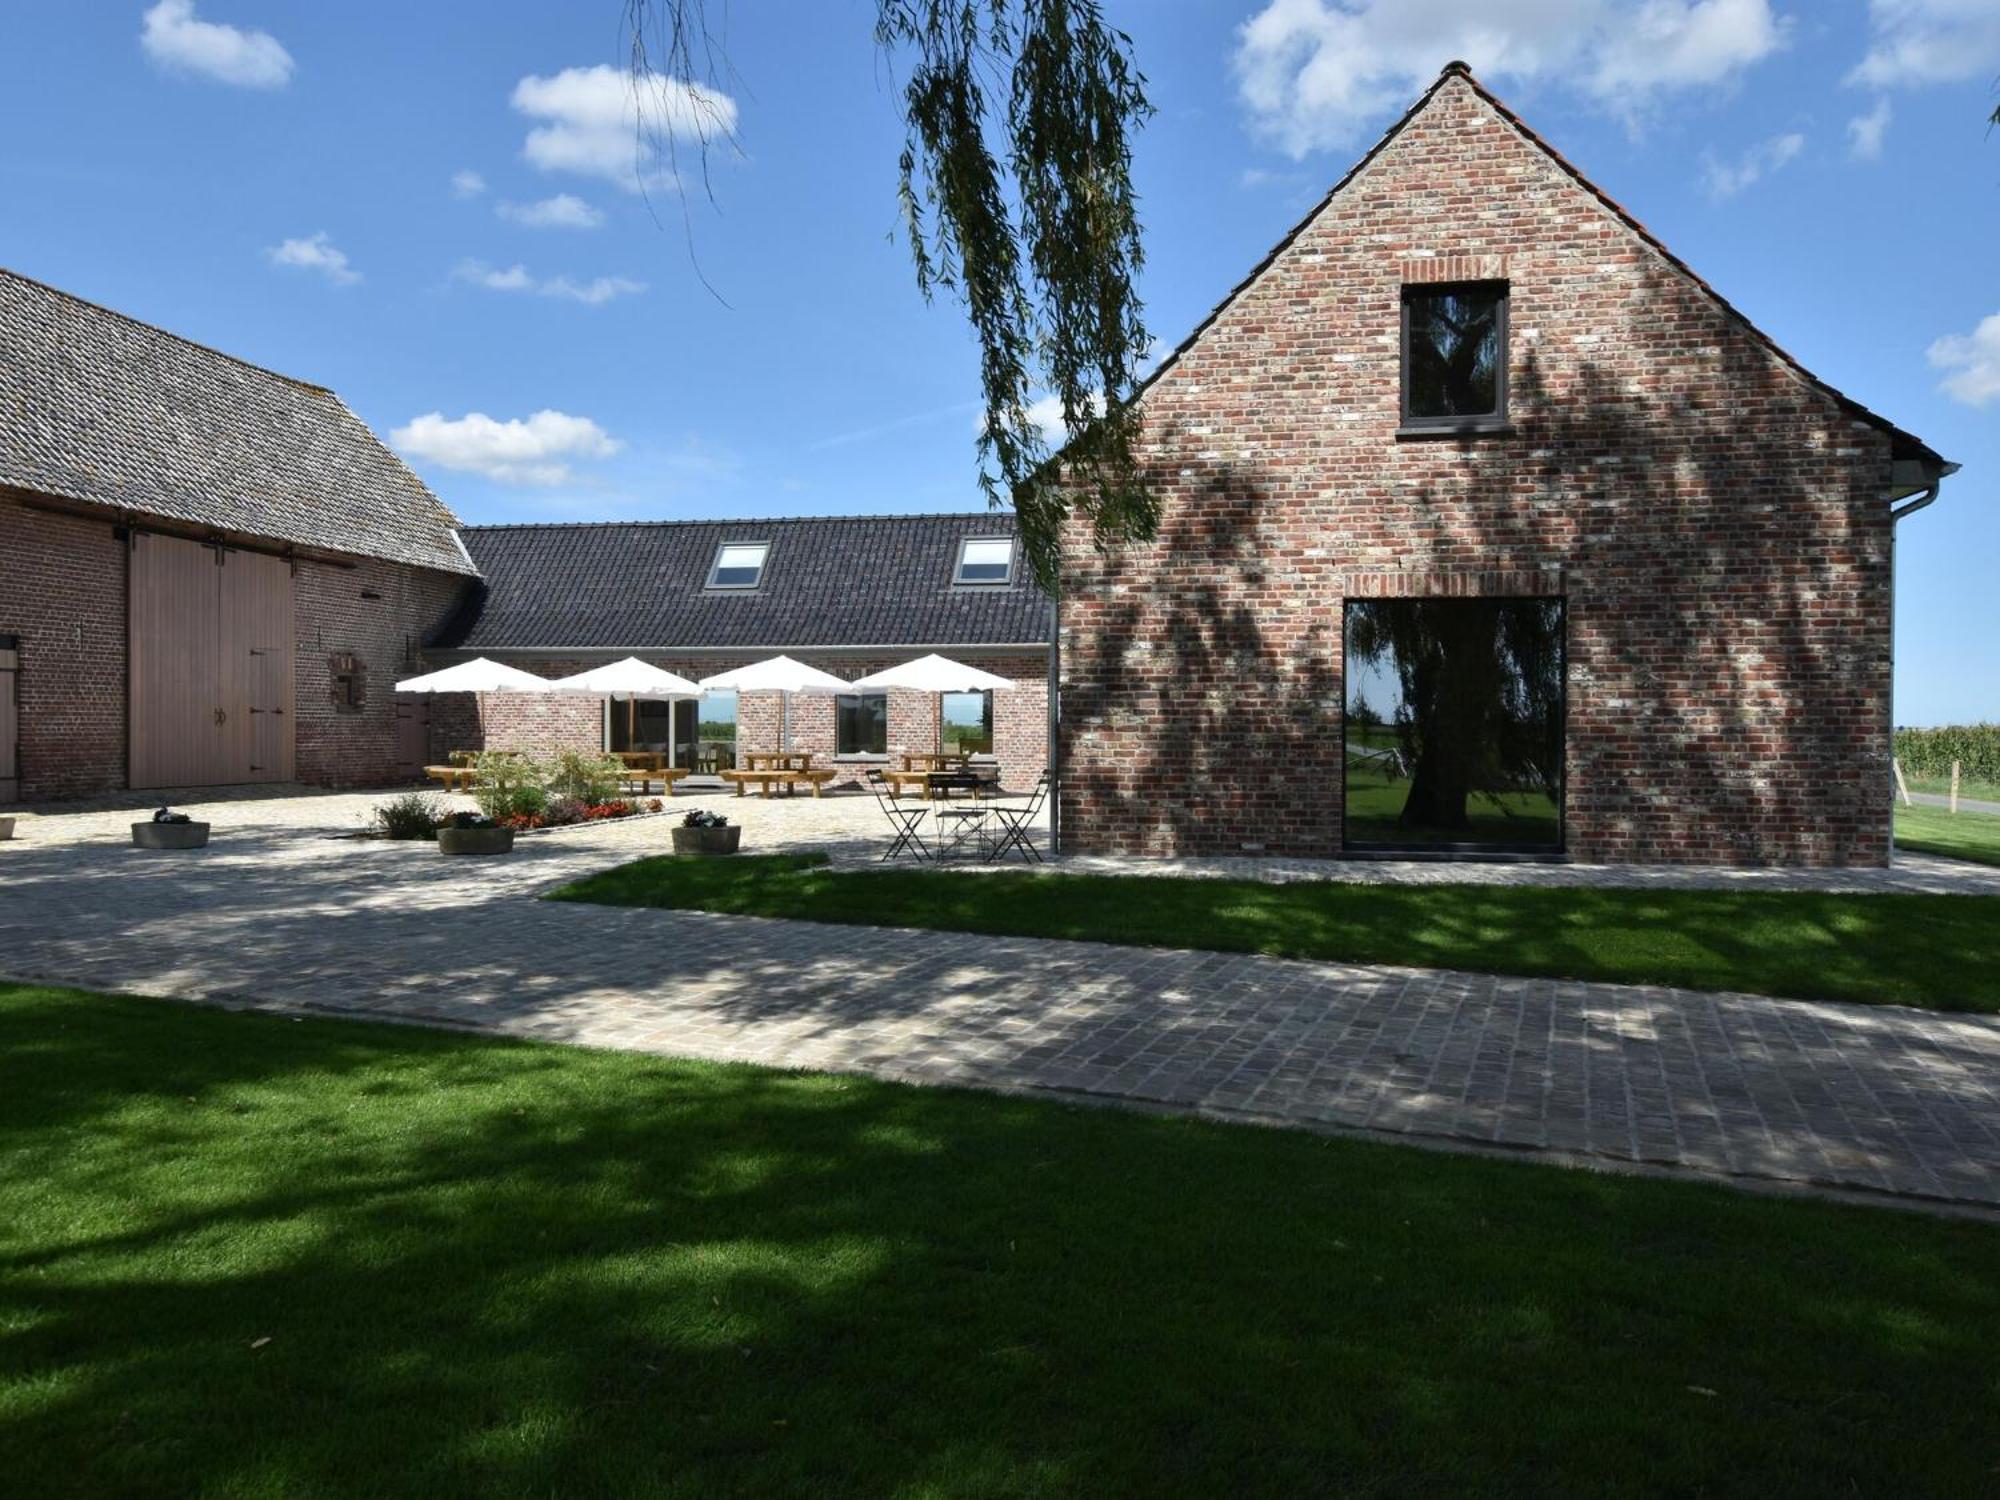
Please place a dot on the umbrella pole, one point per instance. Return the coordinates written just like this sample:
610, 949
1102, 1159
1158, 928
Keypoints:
937, 723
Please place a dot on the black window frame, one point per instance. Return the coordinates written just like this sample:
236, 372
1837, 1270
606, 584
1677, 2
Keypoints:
840, 705
958, 578
715, 567
1497, 421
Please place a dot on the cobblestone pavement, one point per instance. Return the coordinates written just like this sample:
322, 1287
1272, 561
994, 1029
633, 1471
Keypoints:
276, 913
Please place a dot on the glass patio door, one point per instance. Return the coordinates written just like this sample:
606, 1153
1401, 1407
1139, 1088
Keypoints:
1454, 724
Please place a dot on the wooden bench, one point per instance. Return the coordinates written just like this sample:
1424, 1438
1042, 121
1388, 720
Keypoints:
453, 778
790, 780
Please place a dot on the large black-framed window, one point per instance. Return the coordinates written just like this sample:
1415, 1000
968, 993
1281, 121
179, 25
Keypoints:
1455, 357
966, 723
861, 724
1454, 724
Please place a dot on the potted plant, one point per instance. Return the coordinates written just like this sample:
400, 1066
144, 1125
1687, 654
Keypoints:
167, 829
706, 833
473, 833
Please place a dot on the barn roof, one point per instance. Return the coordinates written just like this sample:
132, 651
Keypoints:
100, 408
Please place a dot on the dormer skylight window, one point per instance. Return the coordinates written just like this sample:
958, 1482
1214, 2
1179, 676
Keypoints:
988, 560
738, 565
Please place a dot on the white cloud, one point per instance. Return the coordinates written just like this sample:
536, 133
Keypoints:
1727, 179
564, 211
1974, 360
518, 278
1047, 415
1929, 41
536, 451
1865, 132
178, 41
599, 124
315, 254
1316, 73
467, 184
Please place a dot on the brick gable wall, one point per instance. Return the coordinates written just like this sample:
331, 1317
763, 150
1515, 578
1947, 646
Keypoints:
1715, 522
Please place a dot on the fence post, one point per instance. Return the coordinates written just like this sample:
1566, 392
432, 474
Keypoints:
1954, 786
1902, 786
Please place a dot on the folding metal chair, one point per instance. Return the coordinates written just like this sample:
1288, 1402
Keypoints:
1016, 823
903, 819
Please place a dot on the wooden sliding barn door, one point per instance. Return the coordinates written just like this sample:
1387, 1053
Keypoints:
210, 641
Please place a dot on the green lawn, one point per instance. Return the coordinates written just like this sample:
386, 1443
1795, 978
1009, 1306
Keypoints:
1934, 830
1933, 951
249, 1256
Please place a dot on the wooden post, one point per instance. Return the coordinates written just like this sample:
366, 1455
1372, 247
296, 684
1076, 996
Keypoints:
1954, 786
1901, 785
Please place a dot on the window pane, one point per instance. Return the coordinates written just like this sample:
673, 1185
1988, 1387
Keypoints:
738, 566
986, 560
715, 743
646, 725
1454, 353
1454, 721
967, 723
861, 724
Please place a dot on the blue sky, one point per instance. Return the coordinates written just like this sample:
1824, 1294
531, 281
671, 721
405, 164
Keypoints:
425, 207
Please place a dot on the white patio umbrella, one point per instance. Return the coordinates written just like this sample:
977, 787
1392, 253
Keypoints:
476, 676
935, 674
778, 674
632, 680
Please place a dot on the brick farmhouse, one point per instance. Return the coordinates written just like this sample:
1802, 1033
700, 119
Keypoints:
1469, 446
1700, 529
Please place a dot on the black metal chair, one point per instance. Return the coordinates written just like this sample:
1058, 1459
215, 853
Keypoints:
903, 819
1016, 822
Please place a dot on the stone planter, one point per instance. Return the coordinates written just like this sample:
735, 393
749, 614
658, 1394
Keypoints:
707, 840
150, 835
475, 840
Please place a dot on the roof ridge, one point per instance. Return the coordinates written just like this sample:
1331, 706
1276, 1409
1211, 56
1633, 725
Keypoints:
922, 515
179, 338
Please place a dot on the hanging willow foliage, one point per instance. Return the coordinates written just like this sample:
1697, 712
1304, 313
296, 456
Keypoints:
1016, 192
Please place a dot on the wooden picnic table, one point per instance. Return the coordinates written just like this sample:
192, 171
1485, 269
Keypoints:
453, 778
918, 768
788, 769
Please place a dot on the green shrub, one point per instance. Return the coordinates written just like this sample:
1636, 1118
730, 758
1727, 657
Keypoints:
1928, 753
509, 786
590, 779
413, 816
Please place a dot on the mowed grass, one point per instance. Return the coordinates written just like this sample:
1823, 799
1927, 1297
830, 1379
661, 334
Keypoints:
1936, 830
242, 1255
1932, 951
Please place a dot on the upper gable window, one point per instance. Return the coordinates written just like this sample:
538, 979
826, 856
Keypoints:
985, 560
1455, 357
738, 565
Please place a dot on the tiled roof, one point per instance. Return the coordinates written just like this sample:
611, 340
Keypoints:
827, 581
98, 407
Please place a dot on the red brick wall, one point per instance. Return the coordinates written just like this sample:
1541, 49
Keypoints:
538, 725
379, 613
1716, 524
62, 590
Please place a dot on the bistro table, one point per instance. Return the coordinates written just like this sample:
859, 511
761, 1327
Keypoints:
967, 823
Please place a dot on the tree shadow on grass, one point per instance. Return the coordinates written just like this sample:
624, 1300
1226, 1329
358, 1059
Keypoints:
494, 1268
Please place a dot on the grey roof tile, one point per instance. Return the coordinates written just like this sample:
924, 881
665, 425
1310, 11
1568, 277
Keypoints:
828, 581
99, 407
